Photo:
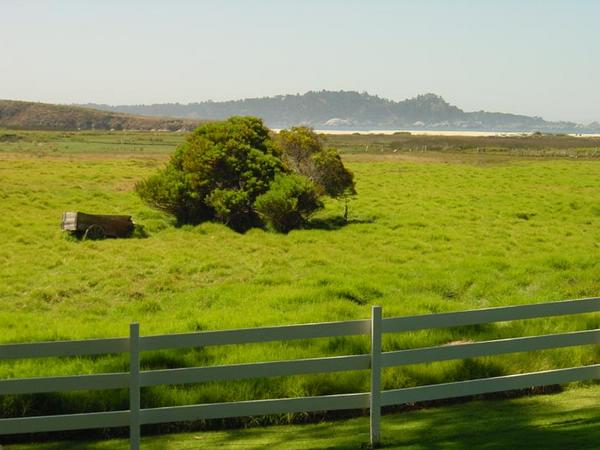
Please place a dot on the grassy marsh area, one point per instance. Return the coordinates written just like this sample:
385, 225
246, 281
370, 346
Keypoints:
429, 232
531, 146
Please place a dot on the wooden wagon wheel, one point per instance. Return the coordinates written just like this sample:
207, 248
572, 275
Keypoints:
94, 232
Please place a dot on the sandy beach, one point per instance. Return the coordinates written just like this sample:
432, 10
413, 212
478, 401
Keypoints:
443, 133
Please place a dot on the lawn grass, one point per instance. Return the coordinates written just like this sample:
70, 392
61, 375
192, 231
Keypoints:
569, 420
47, 143
426, 234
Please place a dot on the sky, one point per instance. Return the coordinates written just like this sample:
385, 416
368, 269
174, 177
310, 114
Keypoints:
529, 57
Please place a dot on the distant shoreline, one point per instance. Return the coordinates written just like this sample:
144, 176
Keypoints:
447, 133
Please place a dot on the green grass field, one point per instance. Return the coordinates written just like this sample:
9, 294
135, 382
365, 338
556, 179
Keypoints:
562, 421
542, 145
428, 233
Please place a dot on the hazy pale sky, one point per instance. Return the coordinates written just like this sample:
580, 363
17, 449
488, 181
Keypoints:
530, 57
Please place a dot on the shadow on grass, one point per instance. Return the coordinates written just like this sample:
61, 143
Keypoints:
333, 223
567, 420
138, 232
525, 423
545, 422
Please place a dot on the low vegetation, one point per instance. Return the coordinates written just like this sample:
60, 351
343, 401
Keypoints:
530, 146
429, 232
288, 203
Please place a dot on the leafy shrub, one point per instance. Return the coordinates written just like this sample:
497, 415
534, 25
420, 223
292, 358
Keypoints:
169, 191
231, 207
216, 174
304, 153
331, 174
221, 170
288, 203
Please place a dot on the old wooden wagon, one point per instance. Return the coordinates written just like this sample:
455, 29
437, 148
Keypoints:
96, 226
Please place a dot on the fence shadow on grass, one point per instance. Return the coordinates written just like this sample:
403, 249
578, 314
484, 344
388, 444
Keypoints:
547, 422
334, 223
525, 423
556, 421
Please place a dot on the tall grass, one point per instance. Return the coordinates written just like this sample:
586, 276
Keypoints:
423, 237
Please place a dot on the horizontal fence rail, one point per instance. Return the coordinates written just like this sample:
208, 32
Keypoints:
255, 370
253, 335
65, 422
64, 348
64, 384
292, 332
489, 348
375, 361
490, 315
489, 385
256, 408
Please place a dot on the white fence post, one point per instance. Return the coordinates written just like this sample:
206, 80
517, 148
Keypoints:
134, 386
375, 374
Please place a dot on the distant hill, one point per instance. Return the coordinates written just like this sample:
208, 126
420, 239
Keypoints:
351, 110
44, 116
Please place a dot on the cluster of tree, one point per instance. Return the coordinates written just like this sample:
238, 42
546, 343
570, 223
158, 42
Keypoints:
236, 173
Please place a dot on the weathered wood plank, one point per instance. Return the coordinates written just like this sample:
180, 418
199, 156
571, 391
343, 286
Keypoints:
112, 225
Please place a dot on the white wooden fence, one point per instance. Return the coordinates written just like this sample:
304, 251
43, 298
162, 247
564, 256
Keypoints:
135, 379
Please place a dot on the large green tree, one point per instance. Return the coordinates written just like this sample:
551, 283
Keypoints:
234, 172
217, 174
